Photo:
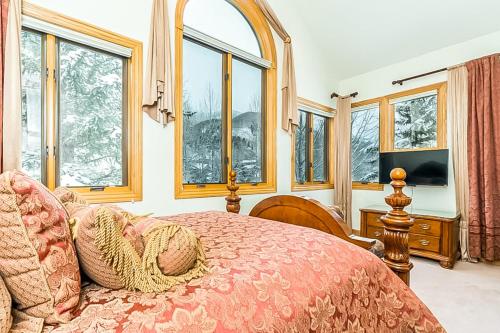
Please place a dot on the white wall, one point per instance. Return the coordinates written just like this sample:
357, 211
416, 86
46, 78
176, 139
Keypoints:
378, 83
132, 18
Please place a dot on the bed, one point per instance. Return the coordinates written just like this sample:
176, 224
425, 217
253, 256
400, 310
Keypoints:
264, 276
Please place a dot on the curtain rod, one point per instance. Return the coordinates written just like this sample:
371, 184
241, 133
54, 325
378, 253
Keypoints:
400, 82
353, 95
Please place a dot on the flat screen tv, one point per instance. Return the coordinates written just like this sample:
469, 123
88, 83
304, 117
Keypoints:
424, 167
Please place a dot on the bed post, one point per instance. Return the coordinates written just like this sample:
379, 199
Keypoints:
233, 199
397, 224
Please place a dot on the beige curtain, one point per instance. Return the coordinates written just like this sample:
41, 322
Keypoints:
342, 149
290, 113
158, 94
457, 109
12, 127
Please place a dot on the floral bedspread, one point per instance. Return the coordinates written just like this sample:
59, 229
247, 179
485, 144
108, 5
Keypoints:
264, 276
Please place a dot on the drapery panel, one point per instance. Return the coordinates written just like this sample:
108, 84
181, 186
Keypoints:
11, 115
484, 157
290, 113
457, 109
342, 149
4, 10
158, 93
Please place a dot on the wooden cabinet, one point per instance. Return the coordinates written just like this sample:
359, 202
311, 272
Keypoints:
434, 234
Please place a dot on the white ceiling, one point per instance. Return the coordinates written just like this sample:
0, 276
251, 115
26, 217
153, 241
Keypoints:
358, 36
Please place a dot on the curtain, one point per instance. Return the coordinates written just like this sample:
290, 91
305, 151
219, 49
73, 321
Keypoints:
11, 117
290, 113
342, 148
158, 94
457, 109
4, 10
483, 137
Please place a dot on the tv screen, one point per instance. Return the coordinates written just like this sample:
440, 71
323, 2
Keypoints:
424, 167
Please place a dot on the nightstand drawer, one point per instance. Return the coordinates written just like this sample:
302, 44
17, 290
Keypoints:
373, 220
424, 243
426, 227
375, 232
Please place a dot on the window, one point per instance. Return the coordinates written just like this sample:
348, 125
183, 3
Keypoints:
312, 168
365, 133
405, 121
81, 114
417, 119
226, 92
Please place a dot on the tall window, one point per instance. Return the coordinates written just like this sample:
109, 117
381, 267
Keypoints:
79, 117
409, 120
227, 97
365, 133
312, 150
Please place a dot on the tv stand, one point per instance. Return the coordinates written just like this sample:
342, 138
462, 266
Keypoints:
434, 235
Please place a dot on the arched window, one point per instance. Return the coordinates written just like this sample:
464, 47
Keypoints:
225, 97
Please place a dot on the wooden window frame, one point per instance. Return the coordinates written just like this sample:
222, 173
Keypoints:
133, 190
387, 124
263, 33
311, 185
387, 144
370, 186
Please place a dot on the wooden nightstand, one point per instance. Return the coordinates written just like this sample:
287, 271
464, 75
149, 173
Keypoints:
434, 234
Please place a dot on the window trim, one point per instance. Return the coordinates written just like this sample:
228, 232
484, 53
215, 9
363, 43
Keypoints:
133, 190
263, 33
313, 186
388, 144
387, 124
380, 101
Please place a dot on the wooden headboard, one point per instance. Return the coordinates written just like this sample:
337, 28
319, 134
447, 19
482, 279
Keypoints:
306, 212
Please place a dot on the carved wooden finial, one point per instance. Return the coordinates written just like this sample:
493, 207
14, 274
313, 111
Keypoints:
397, 224
233, 199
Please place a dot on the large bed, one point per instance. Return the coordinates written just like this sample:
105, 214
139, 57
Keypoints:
304, 275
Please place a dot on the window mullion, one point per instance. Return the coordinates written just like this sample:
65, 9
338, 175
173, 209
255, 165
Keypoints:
310, 175
227, 103
50, 111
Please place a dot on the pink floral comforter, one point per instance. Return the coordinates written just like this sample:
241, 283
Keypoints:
264, 276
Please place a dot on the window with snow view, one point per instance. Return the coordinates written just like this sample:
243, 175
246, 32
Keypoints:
80, 115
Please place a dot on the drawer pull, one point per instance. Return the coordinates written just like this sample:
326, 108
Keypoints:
424, 242
425, 226
377, 233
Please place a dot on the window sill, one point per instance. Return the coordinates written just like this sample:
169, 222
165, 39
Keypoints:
368, 186
220, 190
311, 187
109, 195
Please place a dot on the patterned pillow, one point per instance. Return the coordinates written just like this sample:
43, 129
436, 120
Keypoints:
181, 252
85, 223
5, 308
113, 253
65, 195
37, 257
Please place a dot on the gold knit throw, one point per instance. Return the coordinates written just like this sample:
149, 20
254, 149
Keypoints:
143, 273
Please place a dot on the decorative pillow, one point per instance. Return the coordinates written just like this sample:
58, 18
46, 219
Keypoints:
37, 257
180, 250
85, 225
5, 308
65, 195
114, 255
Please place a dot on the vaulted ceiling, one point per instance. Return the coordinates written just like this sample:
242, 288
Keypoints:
358, 36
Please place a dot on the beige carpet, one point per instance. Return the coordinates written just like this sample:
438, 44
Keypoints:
465, 299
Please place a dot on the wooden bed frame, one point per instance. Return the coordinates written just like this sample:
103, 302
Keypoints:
310, 213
